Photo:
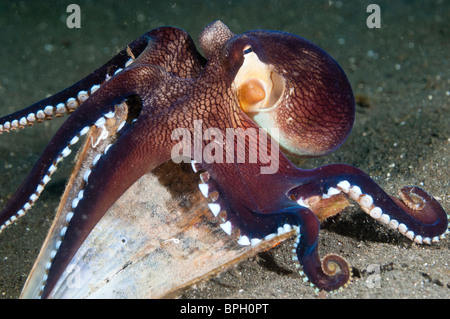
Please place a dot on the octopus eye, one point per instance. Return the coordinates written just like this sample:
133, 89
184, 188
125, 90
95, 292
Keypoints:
247, 49
258, 87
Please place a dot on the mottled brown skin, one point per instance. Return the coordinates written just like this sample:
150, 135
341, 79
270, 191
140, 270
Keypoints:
177, 86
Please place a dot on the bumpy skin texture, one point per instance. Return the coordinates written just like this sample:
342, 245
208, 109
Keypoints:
178, 87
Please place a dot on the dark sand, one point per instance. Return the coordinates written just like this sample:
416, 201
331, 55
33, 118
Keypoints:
400, 76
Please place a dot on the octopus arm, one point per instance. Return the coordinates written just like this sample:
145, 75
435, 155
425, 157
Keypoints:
69, 99
415, 213
94, 112
120, 166
255, 220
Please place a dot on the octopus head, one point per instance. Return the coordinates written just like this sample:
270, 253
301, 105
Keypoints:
285, 82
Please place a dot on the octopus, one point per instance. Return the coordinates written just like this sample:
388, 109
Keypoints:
235, 115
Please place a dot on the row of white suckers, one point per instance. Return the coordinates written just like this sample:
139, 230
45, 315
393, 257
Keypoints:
72, 104
100, 123
367, 205
58, 110
64, 153
364, 200
69, 106
226, 225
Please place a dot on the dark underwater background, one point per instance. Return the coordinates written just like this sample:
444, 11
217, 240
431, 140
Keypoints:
400, 77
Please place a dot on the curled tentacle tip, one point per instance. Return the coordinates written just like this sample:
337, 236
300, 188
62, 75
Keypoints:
331, 264
339, 271
415, 197
425, 208
333, 274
